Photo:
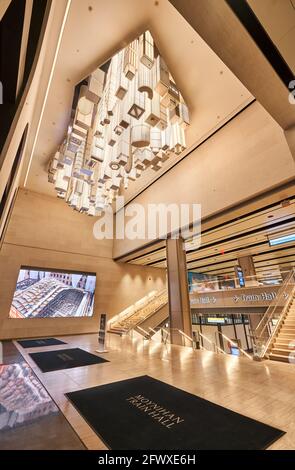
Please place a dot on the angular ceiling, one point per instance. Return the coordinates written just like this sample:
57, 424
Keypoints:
278, 19
93, 32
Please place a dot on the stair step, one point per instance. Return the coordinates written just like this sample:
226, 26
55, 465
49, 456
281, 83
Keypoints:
283, 346
283, 340
287, 330
284, 337
281, 351
278, 357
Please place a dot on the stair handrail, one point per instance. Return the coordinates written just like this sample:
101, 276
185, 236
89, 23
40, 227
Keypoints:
262, 342
167, 332
142, 319
146, 333
149, 313
260, 283
271, 308
132, 308
235, 344
215, 346
275, 330
136, 307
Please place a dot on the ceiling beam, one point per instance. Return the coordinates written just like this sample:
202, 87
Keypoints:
221, 29
24, 44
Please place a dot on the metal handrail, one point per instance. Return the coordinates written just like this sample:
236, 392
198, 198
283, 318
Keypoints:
142, 319
211, 342
134, 307
263, 335
272, 307
167, 334
276, 328
185, 335
278, 325
152, 329
134, 311
260, 282
235, 345
144, 331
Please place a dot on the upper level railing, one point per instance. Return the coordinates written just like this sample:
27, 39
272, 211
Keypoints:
273, 317
233, 283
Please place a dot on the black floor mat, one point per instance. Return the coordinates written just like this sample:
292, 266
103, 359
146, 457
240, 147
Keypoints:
38, 343
65, 359
146, 414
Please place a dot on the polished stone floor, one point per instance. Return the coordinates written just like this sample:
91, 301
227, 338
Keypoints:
261, 390
29, 418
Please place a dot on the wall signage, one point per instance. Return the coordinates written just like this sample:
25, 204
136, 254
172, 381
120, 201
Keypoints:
203, 300
260, 296
215, 320
102, 333
264, 296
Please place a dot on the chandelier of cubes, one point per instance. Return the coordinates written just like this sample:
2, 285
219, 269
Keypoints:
129, 116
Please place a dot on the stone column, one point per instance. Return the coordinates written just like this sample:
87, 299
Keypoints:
248, 268
179, 304
285, 270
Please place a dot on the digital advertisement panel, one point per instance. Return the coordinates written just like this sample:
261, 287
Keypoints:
48, 294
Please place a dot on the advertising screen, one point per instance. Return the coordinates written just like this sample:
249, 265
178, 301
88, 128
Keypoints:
47, 294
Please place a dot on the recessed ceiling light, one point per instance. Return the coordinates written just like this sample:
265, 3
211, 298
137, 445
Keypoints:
114, 166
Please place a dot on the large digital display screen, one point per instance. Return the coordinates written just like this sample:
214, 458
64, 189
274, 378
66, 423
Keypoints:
48, 294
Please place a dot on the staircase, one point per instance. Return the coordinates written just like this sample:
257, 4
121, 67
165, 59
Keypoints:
284, 342
137, 314
147, 326
275, 334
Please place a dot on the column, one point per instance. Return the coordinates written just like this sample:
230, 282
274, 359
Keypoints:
179, 304
248, 268
285, 270
254, 319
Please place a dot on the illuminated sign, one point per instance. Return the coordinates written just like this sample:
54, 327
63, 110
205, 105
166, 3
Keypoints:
215, 320
240, 276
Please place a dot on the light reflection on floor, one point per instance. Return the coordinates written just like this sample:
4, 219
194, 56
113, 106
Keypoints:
22, 397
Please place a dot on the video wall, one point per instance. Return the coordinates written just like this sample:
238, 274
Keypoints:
50, 294
199, 282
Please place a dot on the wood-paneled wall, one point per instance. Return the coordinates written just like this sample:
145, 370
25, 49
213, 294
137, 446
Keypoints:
44, 232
